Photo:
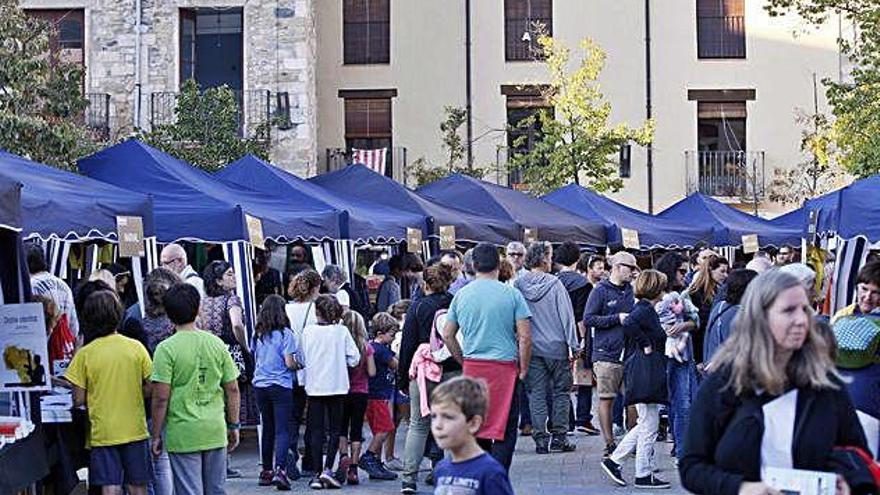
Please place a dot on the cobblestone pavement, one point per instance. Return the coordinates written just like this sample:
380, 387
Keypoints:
555, 474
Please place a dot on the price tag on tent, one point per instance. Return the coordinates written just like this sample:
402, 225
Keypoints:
255, 231
530, 236
130, 232
630, 238
750, 243
447, 237
414, 240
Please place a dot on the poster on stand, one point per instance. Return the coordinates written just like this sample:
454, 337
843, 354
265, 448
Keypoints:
24, 366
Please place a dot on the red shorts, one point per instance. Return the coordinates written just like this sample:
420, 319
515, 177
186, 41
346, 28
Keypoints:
379, 416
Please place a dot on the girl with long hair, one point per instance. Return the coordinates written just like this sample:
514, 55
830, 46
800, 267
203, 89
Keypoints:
351, 436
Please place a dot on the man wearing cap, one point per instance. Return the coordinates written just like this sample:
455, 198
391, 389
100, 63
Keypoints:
607, 307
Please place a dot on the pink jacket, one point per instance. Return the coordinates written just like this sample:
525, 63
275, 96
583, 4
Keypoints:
421, 369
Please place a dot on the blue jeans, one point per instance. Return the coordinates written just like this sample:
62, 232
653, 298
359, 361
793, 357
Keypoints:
584, 405
276, 406
682, 383
163, 480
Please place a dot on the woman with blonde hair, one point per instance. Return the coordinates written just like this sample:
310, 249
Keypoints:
774, 399
710, 277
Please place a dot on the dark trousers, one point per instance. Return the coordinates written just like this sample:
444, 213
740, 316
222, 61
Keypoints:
525, 412
276, 405
583, 410
617, 410
298, 406
321, 407
502, 450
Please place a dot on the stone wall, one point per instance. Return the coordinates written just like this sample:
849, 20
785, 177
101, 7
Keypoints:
279, 56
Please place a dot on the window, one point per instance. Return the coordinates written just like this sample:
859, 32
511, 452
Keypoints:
721, 29
67, 40
368, 122
721, 126
625, 161
366, 31
522, 103
524, 20
211, 47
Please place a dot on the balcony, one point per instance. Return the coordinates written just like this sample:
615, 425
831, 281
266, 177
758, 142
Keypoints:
97, 115
725, 173
337, 158
257, 109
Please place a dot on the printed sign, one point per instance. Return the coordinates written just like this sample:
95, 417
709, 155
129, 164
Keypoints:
447, 237
255, 231
530, 236
750, 243
24, 348
130, 232
414, 240
630, 238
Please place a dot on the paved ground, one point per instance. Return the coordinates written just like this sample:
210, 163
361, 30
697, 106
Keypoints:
555, 474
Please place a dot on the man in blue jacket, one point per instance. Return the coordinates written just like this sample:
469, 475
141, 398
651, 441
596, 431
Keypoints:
607, 307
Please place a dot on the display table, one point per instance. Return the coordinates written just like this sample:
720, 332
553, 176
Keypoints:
23, 463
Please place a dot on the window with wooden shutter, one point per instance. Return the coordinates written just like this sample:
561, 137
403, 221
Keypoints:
366, 31
524, 21
368, 125
721, 29
67, 39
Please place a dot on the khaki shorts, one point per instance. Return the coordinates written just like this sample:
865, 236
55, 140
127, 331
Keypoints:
609, 379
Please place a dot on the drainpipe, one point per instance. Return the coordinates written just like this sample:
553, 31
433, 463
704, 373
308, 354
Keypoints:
468, 89
136, 114
648, 109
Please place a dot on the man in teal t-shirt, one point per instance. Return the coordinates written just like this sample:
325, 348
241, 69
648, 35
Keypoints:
493, 319
196, 391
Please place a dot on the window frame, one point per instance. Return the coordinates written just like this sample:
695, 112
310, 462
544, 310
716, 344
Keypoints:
515, 26
380, 138
724, 29
369, 53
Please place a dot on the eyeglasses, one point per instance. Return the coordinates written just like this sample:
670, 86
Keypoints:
516, 255
631, 267
682, 271
170, 262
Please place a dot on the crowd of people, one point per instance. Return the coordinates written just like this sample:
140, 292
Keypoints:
729, 361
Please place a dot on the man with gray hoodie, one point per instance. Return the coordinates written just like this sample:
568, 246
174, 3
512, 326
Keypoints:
554, 341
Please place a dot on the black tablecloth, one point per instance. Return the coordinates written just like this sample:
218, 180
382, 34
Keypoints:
23, 463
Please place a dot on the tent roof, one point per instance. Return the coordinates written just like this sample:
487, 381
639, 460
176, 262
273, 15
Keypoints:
848, 212
653, 231
191, 204
366, 220
10, 202
483, 198
359, 182
56, 203
730, 224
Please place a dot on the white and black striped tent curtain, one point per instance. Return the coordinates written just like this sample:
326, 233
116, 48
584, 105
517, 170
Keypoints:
342, 254
240, 255
850, 255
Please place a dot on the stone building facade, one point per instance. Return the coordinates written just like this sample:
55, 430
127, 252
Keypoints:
265, 50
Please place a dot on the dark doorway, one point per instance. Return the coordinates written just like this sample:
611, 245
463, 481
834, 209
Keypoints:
211, 49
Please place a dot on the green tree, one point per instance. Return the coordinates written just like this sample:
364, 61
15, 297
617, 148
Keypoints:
453, 145
855, 102
41, 101
576, 139
206, 130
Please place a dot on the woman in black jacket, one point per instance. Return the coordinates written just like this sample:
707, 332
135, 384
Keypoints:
644, 334
416, 331
775, 399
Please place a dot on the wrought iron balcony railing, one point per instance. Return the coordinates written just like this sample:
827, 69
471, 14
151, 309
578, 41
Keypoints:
725, 173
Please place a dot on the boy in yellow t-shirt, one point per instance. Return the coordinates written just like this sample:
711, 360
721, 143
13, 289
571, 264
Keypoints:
110, 376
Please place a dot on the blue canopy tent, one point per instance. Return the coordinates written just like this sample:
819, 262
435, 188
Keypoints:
848, 212
483, 198
367, 221
653, 232
62, 205
729, 224
192, 205
10, 203
359, 182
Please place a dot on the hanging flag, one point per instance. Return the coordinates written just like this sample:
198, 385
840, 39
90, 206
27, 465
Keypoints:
373, 159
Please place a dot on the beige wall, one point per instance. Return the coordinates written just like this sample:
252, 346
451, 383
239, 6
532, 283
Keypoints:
428, 70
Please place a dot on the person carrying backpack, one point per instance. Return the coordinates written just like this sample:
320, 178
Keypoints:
418, 329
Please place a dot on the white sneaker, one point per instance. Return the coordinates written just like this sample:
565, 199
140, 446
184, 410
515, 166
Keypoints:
394, 464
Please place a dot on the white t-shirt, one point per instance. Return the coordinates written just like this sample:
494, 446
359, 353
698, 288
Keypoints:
343, 298
328, 351
301, 315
